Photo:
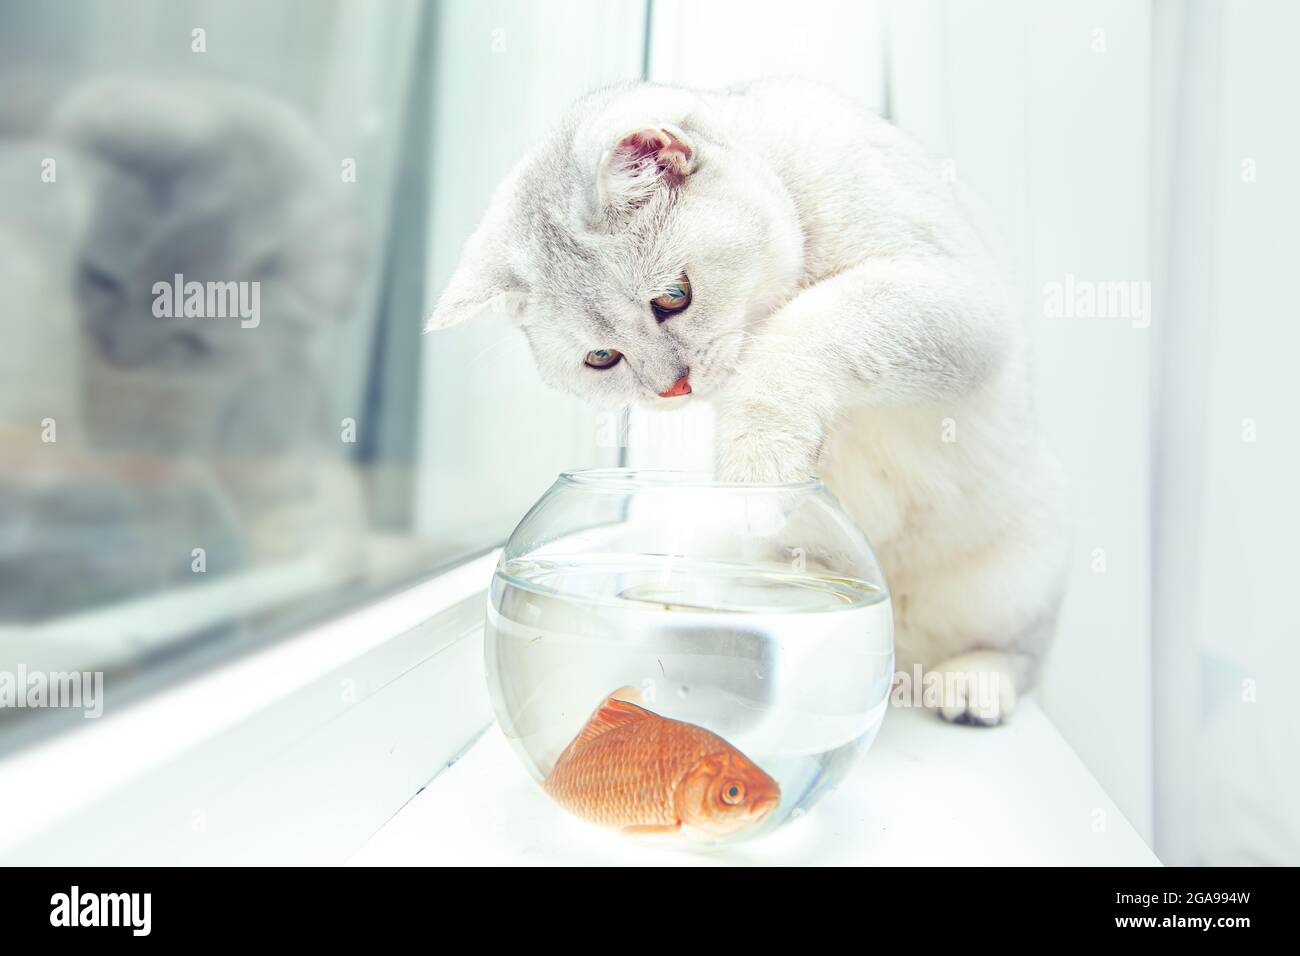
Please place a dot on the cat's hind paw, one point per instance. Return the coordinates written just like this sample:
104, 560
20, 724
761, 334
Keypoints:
977, 688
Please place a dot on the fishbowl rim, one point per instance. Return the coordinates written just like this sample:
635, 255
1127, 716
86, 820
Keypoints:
623, 480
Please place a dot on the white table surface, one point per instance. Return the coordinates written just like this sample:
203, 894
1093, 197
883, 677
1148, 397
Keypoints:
927, 793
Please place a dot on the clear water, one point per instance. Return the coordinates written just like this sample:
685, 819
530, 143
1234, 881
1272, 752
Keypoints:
792, 669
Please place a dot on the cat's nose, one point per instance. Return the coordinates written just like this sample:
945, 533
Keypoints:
680, 387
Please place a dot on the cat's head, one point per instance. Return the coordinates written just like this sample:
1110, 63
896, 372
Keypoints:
636, 247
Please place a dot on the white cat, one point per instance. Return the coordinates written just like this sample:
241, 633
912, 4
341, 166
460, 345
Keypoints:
804, 266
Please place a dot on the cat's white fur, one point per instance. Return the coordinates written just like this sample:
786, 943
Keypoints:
848, 318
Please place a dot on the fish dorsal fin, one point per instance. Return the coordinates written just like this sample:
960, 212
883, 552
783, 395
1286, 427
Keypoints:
614, 712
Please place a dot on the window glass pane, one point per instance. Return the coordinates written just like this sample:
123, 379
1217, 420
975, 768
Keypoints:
222, 226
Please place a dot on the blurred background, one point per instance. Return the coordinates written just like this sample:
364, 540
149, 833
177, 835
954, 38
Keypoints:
177, 491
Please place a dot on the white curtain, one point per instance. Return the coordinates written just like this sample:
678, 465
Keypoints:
1227, 450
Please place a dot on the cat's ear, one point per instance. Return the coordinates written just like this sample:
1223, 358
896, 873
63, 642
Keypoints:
483, 278
474, 287
642, 161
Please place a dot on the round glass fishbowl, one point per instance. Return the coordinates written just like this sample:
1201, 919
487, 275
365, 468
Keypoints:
671, 655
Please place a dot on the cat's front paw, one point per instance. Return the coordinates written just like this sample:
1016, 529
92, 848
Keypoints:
977, 688
757, 443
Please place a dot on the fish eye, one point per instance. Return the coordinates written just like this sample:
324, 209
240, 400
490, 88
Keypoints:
675, 299
602, 358
733, 792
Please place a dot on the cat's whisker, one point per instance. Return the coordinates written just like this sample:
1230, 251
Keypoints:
717, 339
712, 347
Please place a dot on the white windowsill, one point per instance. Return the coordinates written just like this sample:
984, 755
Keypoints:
927, 793
213, 749
260, 762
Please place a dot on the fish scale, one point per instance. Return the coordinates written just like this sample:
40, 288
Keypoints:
627, 775
628, 764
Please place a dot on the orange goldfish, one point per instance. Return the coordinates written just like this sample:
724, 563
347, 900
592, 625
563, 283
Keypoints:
645, 774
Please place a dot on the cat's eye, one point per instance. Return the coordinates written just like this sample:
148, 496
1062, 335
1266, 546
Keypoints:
603, 358
675, 298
